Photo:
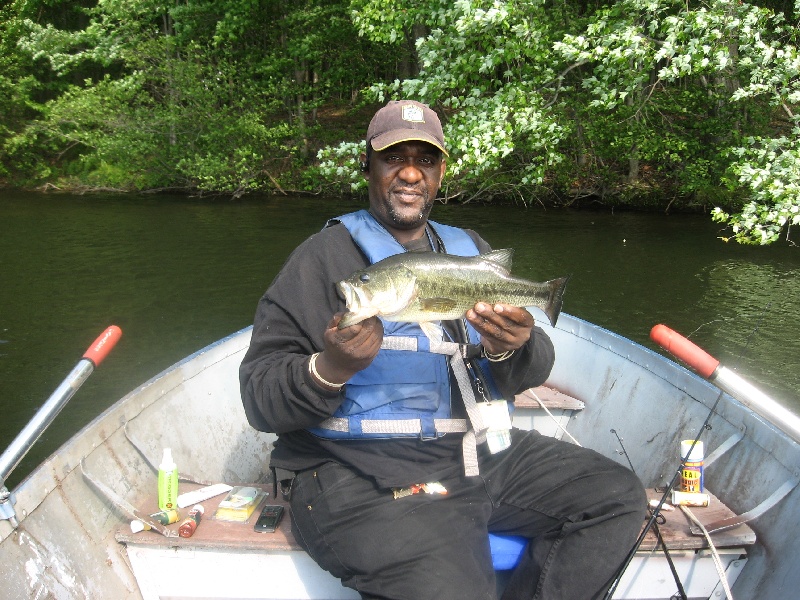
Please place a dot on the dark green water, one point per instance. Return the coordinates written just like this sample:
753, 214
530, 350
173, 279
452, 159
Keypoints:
177, 274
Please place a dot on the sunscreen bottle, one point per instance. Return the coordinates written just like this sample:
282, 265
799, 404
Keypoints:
167, 482
165, 517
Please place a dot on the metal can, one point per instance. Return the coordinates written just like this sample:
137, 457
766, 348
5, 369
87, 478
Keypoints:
692, 469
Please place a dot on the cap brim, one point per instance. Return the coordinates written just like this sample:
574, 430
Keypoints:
390, 138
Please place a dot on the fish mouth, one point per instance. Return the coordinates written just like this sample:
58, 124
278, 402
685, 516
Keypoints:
356, 301
351, 297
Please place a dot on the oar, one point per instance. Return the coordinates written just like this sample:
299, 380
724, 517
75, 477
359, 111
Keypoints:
57, 400
727, 380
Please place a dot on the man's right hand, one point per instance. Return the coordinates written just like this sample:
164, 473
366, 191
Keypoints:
349, 350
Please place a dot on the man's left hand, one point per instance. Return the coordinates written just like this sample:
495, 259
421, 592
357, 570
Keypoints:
502, 327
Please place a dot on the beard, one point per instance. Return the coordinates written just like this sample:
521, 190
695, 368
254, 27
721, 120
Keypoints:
406, 221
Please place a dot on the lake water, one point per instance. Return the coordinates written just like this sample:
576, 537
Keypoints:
177, 273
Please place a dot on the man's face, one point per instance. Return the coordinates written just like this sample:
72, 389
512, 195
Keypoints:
403, 182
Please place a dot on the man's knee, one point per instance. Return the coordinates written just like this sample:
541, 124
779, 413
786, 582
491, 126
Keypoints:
629, 491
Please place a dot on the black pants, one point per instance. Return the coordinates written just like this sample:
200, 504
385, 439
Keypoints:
581, 511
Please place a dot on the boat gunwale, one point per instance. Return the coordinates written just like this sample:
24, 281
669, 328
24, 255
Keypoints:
732, 411
37, 485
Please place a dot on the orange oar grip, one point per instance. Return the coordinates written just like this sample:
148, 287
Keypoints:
103, 345
694, 356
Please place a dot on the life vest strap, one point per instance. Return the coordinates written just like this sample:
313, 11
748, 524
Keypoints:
395, 426
415, 344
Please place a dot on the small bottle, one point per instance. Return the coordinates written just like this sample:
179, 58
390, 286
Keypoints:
692, 470
167, 482
191, 521
165, 517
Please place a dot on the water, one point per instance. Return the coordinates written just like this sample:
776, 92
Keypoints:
177, 274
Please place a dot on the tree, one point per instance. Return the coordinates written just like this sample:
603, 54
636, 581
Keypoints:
200, 95
593, 100
26, 82
660, 102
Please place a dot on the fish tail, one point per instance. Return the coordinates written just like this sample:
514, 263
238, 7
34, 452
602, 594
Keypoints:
556, 288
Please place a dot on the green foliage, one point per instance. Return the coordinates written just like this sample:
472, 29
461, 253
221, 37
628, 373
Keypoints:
770, 170
622, 101
482, 64
339, 170
215, 96
650, 95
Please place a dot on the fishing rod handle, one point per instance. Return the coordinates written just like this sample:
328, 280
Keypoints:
677, 345
103, 345
41, 420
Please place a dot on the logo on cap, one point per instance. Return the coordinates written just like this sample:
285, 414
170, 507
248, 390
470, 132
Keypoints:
413, 113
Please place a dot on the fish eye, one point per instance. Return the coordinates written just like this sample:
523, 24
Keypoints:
364, 277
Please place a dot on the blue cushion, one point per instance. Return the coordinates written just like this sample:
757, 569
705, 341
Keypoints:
506, 550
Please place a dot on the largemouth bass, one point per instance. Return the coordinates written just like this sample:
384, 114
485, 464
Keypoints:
421, 287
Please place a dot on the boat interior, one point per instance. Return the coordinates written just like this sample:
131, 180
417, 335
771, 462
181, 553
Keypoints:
84, 497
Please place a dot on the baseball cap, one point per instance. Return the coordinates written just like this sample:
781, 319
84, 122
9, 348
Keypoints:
405, 121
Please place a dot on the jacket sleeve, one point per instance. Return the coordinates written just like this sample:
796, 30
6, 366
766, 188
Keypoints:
278, 392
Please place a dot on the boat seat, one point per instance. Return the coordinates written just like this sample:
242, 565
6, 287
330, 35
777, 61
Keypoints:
552, 399
218, 548
212, 534
506, 550
550, 417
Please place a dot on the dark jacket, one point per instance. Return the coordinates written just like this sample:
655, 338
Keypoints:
280, 396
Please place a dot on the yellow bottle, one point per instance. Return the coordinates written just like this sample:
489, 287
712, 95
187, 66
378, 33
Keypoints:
167, 482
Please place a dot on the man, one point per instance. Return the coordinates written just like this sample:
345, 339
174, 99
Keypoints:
393, 502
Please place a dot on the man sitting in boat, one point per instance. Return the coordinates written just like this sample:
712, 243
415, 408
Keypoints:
395, 463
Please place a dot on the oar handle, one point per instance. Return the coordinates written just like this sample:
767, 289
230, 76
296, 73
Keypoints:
103, 345
728, 380
40, 421
677, 345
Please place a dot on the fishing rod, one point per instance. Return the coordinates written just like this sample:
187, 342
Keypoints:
681, 591
657, 509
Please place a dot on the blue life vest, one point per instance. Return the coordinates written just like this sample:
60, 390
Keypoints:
399, 386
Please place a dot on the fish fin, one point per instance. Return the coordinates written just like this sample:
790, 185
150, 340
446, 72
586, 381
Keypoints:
553, 308
437, 305
434, 332
502, 257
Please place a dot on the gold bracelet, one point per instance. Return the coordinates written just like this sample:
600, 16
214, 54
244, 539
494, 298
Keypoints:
312, 367
498, 357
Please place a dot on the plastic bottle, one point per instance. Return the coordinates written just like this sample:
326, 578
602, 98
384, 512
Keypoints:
167, 482
191, 521
165, 517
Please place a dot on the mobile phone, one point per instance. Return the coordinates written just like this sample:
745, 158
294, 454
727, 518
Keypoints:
269, 518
